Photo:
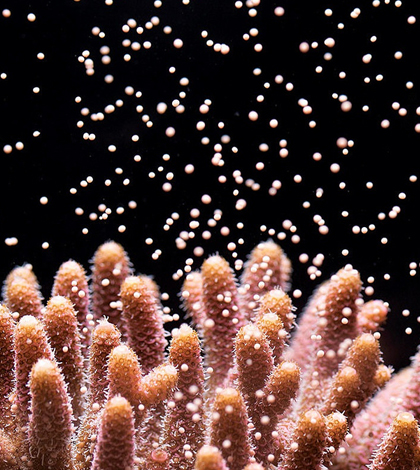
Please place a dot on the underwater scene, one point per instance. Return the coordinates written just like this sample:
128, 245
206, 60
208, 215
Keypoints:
208, 235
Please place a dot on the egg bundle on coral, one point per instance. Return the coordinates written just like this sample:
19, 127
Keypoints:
87, 381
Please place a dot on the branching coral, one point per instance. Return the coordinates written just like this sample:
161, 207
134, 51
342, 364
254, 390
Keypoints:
87, 383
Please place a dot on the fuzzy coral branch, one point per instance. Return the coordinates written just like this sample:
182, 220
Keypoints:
110, 267
61, 327
345, 386
210, 458
337, 322
382, 376
278, 302
301, 344
143, 321
224, 318
7, 372
115, 446
158, 384
105, 337
192, 290
71, 281
355, 382
156, 387
272, 327
399, 447
25, 272
336, 432
9, 455
31, 344
267, 267
124, 376
49, 446
336, 428
281, 387
183, 428
23, 297
307, 444
372, 315
254, 362
229, 428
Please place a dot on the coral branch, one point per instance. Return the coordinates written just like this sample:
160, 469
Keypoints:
399, 447
9, 455
110, 267
158, 384
183, 427
337, 322
49, 445
372, 315
61, 327
254, 361
156, 387
7, 372
272, 327
31, 344
210, 458
307, 444
267, 267
355, 382
336, 432
115, 446
278, 302
143, 322
23, 297
105, 338
124, 376
71, 281
302, 345
281, 387
192, 290
229, 428
224, 318
25, 272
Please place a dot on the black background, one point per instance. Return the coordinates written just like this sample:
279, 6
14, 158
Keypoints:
57, 160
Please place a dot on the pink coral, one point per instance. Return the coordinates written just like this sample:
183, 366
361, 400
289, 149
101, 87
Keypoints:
241, 391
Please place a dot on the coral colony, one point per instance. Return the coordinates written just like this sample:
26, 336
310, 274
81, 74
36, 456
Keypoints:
179, 129
87, 381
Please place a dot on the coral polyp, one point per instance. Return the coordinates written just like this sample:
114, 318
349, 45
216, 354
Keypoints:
88, 381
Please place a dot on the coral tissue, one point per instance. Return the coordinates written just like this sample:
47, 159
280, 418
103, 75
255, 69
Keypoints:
88, 380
